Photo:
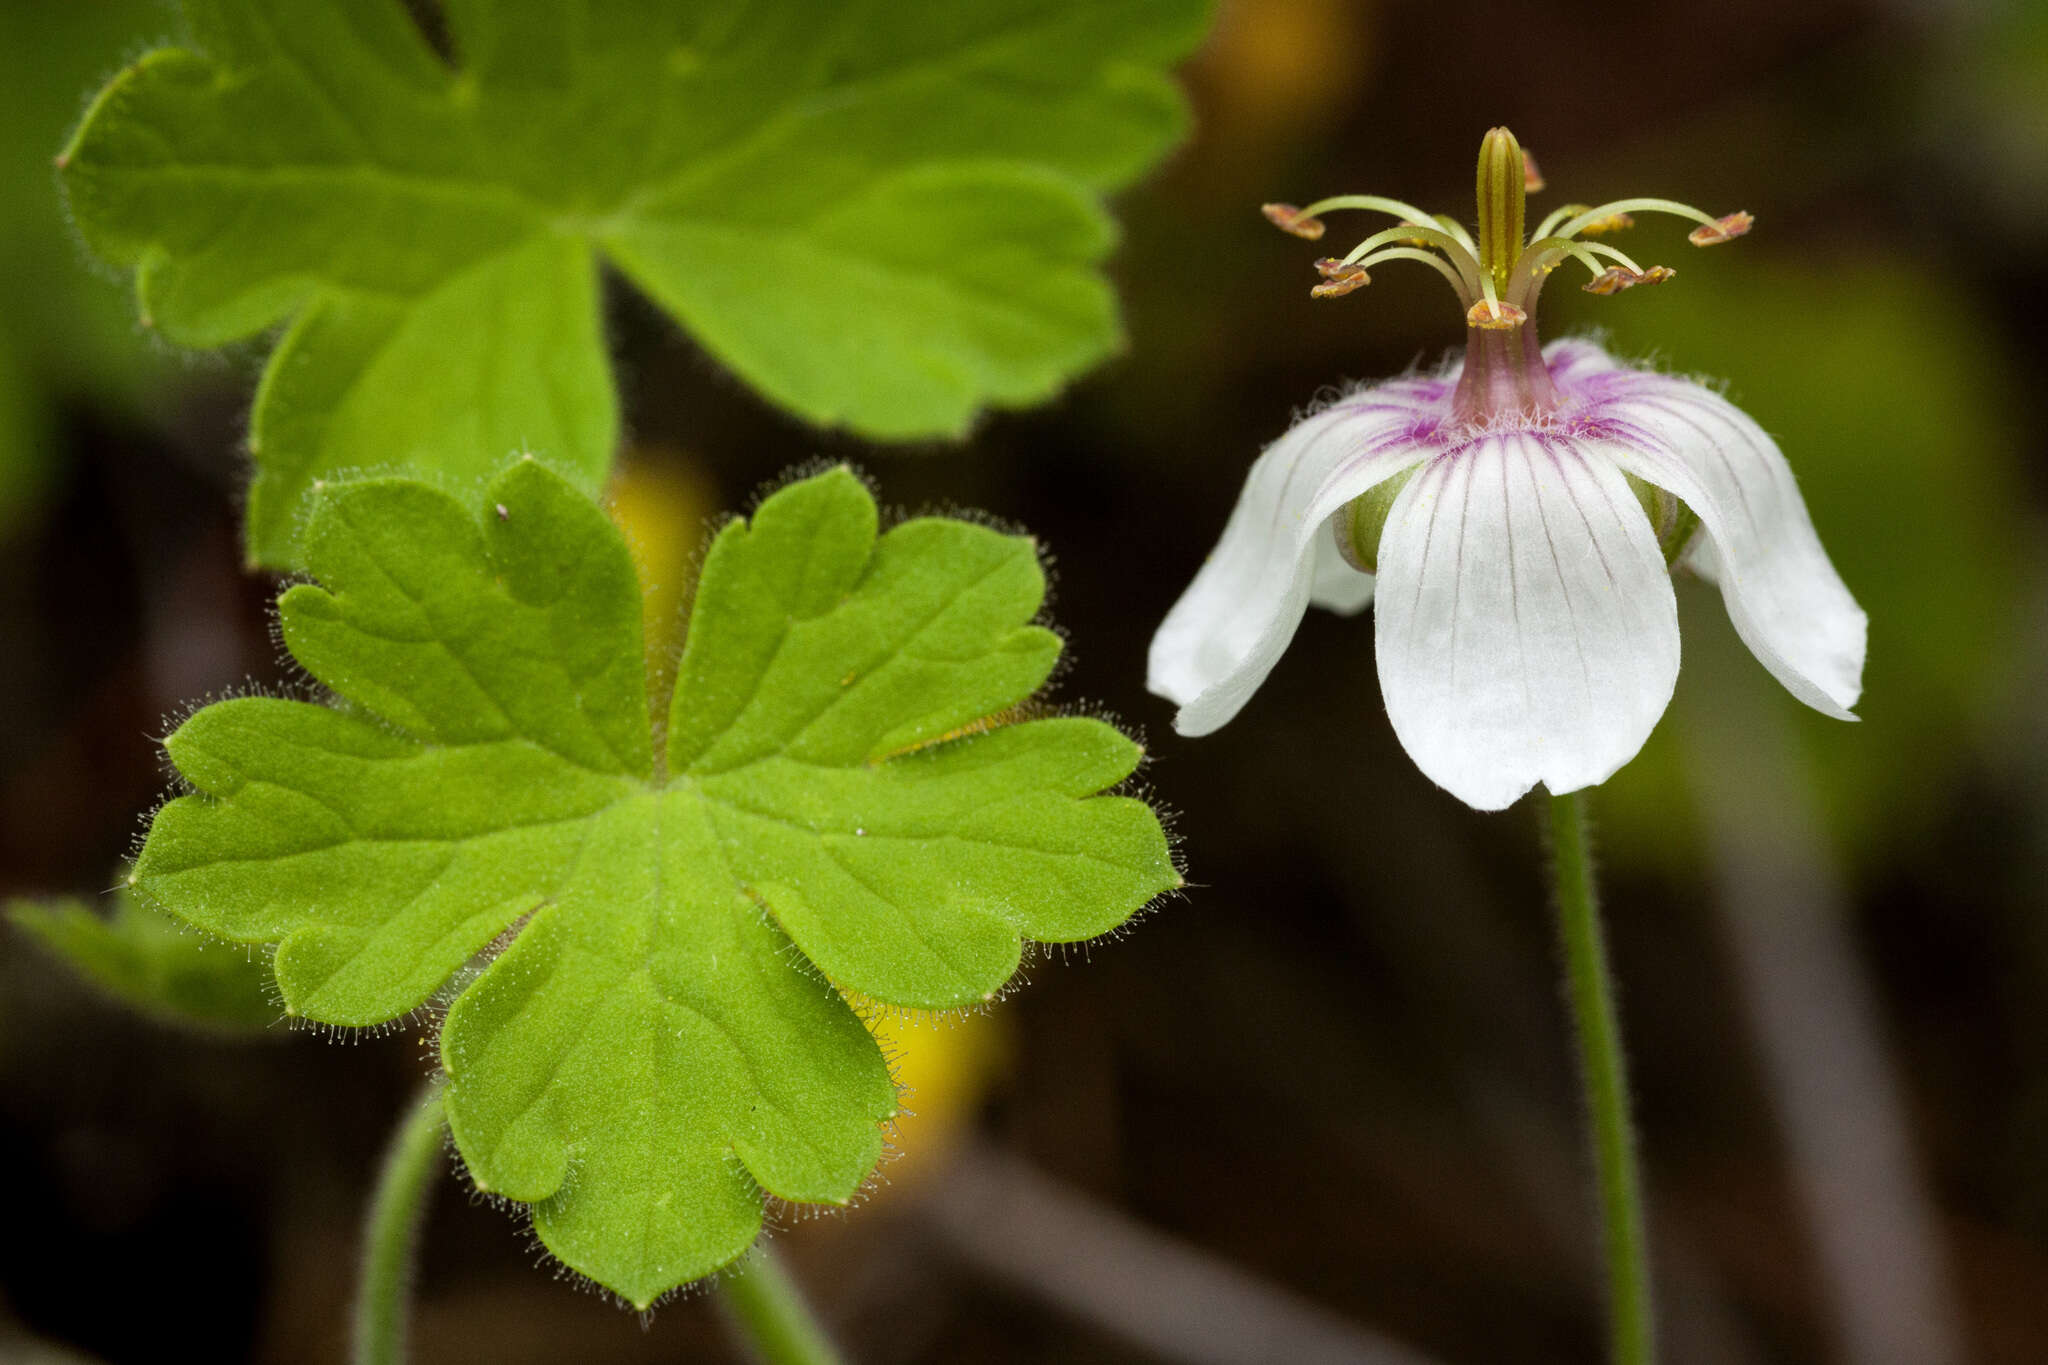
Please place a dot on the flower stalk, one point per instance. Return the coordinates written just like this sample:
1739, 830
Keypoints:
769, 1314
1589, 986
391, 1232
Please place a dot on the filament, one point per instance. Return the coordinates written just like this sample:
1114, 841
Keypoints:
1671, 206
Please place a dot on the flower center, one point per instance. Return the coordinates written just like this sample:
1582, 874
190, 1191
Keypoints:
1499, 276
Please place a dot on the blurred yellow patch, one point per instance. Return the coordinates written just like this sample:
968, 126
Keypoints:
662, 499
945, 1064
1277, 66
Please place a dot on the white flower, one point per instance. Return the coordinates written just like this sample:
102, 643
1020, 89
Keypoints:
1524, 620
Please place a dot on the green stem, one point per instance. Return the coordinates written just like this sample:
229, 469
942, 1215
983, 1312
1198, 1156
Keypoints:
769, 1313
391, 1232
1590, 988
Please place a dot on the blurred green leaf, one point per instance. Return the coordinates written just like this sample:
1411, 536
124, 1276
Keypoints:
1987, 112
651, 1046
63, 332
154, 964
1897, 413
882, 215
23, 461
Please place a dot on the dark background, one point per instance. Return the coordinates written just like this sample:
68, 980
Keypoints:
1338, 1065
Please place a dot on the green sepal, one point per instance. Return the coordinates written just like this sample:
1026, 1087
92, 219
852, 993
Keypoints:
1672, 520
1365, 521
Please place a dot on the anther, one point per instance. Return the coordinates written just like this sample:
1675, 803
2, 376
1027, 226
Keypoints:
1613, 222
1532, 179
1495, 317
1721, 230
1340, 277
1288, 218
1614, 279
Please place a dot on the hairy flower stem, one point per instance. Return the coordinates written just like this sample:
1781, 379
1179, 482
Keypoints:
768, 1312
391, 1233
1589, 986
1504, 376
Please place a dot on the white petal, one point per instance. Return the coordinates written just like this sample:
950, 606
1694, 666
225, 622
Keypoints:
1575, 359
1698, 559
1788, 603
1525, 622
1230, 627
1338, 587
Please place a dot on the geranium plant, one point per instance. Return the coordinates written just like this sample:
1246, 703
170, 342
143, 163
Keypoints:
648, 910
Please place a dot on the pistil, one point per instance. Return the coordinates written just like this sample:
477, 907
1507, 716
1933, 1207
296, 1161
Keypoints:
1504, 372
1503, 195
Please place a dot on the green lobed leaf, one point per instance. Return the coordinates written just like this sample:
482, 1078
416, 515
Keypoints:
153, 964
836, 805
882, 215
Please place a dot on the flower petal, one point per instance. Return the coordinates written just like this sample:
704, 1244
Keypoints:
1337, 586
1526, 627
1575, 360
1230, 627
1784, 596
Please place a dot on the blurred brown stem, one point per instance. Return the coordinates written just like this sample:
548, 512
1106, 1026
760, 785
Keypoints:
1170, 1299
1814, 1022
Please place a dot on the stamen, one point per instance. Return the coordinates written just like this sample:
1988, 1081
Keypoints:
1467, 267
1617, 278
1494, 316
1590, 252
1623, 206
1721, 230
1613, 222
1545, 254
1288, 218
1393, 208
1339, 278
1497, 274
1557, 215
1402, 253
1456, 229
